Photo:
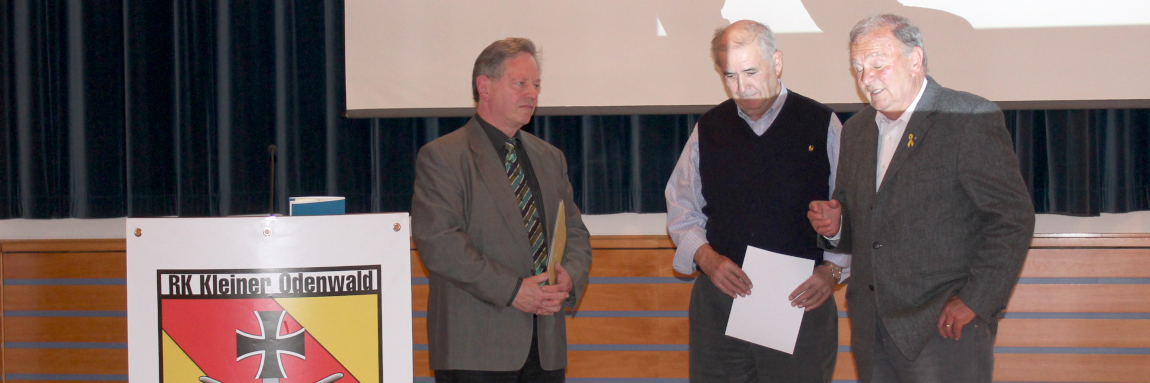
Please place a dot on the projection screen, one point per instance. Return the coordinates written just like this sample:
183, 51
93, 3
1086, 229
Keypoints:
409, 58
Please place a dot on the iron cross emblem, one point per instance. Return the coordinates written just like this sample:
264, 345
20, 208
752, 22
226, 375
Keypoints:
270, 345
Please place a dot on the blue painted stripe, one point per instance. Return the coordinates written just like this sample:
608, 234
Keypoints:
1014, 315
606, 280
610, 380
67, 282
1059, 350
1073, 350
66, 313
629, 314
99, 377
677, 280
638, 280
626, 380
841, 314
1084, 281
841, 348
68, 345
685, 380
627, 347
1019, 315
603, 314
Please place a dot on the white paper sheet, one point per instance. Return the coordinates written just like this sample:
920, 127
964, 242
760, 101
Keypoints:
766, 317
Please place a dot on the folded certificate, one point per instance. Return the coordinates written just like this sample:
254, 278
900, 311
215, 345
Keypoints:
766, 317
558, 244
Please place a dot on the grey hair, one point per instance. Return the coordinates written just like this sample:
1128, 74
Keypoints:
491, 61
758, 31
899, 26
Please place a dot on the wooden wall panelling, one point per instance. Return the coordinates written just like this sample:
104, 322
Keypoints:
636, 297
1100, 333
1071, 240
627, 330
66, 329
80, 265
67, 361
64, 304
1075, 298
627, 364
65, 298
1079, 314
1071, 368
1087, 263
62, 245
1016, 367
1065, 333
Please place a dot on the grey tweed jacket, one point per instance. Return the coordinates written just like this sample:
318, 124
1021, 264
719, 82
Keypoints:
952, 216
467, 226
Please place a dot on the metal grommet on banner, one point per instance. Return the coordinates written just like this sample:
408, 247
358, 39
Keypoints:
395, 227
268, 222
138, 232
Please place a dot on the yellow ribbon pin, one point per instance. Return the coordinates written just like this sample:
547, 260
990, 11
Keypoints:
910, 140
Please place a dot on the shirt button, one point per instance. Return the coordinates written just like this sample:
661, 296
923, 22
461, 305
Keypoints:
877, 246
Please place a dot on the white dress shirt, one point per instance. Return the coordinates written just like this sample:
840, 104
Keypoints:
686, 222
889, 134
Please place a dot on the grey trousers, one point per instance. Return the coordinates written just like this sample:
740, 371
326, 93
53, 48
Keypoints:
715, 357
967, 360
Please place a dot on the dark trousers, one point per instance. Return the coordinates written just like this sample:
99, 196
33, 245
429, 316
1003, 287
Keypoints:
715, 357
531, 372
967, 360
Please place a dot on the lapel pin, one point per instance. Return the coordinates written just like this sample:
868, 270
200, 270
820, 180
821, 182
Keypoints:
910, 140
811, 148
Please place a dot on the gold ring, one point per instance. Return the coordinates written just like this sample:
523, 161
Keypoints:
947, 325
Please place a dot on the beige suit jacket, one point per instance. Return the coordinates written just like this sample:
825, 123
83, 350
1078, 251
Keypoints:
470, 235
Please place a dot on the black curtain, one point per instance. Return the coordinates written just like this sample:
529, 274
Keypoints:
143, 108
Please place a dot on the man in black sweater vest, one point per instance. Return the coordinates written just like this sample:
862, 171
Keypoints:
745, 178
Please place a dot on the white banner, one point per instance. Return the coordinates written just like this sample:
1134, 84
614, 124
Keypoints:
276, 299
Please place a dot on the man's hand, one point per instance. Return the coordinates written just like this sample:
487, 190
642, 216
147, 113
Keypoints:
955, 314
812, 293
534, 300
826, 217
562, 284
724, 273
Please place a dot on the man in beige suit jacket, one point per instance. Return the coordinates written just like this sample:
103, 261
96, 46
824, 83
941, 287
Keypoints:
483, 195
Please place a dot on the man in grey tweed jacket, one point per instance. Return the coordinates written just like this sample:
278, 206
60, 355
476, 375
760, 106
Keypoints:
931, 205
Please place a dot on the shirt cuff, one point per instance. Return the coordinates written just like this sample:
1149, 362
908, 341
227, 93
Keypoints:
684, 262
843, 260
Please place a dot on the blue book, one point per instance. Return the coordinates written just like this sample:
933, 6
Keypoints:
316, 205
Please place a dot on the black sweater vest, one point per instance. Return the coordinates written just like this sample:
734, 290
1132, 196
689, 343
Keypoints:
758, 188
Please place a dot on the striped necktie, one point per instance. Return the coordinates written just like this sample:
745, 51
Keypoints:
528, 207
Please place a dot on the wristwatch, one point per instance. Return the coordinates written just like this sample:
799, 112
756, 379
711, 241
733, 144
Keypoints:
836, 271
